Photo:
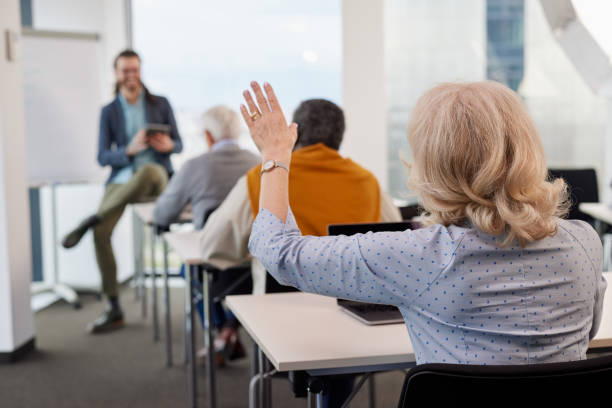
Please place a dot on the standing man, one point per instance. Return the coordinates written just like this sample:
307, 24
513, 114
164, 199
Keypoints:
140, 162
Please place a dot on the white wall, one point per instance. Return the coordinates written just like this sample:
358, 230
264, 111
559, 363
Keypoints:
114, 40
363, 90
16, 323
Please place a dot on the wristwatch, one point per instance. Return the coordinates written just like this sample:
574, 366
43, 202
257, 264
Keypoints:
272, 164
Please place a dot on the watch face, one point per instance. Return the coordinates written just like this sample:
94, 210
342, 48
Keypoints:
268, 165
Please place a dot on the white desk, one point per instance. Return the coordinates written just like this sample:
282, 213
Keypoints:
144, 211
186, 245
305, 332
602, 213
599, 211
603, 339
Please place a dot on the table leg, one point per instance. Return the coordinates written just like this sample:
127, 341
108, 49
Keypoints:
267, 382
154, 288
138, 254
371, 392
255, 379
356, 389
167, 308
142, 281
315, 392
190, 274
261, 397
207, 279
599, 226
607, 251
253, 386
185, 331
315, 400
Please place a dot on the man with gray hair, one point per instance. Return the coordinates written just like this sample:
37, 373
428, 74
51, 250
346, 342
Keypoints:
205, 181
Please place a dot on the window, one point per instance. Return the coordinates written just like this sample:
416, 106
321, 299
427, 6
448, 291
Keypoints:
569, 117
509, 41
203, 53
427, 42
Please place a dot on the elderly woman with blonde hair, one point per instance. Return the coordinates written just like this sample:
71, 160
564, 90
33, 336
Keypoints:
495, 277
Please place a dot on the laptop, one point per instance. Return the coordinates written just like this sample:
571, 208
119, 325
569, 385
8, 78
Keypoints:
369, 313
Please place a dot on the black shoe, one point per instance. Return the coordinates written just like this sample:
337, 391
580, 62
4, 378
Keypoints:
74, 237
111, 319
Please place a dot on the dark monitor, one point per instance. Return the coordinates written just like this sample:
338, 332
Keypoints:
370, 314
362, 228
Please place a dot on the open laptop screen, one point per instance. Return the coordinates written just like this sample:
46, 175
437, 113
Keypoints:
367, 313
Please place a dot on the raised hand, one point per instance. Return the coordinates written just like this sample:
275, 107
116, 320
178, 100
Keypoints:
267, 124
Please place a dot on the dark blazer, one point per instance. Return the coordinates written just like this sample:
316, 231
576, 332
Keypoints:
112, 139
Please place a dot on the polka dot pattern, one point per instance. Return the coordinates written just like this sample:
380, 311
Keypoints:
465, 300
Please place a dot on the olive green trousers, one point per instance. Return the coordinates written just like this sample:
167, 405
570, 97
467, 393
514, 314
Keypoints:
146, 184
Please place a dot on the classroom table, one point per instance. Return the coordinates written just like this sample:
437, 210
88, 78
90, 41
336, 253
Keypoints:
144, 211
603, 339
186, 244
306, 332
602, 213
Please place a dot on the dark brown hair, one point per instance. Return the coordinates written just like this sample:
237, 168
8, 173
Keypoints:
131, 54
319, 121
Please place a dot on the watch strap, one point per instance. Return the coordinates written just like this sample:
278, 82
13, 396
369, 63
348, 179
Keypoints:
272, 164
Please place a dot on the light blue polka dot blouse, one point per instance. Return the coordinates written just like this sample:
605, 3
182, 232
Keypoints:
464, 299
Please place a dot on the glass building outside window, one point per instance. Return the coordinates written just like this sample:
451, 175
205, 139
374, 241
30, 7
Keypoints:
510, 41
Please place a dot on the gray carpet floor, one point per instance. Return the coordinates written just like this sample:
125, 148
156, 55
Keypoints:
125, 368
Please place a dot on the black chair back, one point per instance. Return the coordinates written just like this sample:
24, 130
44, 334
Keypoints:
582, 184
504, 384
410, 211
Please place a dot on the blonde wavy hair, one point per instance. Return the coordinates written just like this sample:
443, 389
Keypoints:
478, 158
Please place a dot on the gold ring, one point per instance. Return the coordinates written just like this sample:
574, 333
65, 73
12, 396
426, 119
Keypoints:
255, 116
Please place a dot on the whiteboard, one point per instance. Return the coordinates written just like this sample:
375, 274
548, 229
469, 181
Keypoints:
62, 94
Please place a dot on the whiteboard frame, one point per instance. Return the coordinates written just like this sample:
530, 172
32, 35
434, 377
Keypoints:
31, 32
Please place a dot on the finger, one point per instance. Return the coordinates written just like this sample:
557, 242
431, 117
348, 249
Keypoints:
251, 103
261, 99
293, 132
245, 115
274, 105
